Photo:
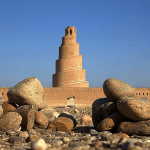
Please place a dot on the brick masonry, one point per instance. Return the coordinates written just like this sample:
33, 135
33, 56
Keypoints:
69, 71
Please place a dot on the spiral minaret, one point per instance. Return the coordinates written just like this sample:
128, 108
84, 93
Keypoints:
69, 71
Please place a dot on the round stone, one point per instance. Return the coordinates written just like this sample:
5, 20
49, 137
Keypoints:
28, 92
130, 128
69, 116
10, 121
134, 108
86, 120
109, 123
41, 120
114, 89
7, 108
24, 134
39, 144
62, 124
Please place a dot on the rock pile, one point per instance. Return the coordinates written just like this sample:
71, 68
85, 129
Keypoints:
121, 111
32, 110
27, 111
26, 122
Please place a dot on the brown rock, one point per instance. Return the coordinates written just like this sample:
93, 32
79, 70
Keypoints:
24, 134
109, 123
32, 135
30, 119
23, 109
62, 124
122, 135
140, 127
96, 117
28, 92
28, 116
32, 132
7, 108
10, 121
32, 138
70, 117
103, 111
107, 109
41, 121
50, 113
134, 108
14, 104
86, 120
114, 89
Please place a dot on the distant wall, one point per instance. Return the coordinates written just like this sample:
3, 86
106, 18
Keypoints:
3, 93
83, 96
58, 96
142, 93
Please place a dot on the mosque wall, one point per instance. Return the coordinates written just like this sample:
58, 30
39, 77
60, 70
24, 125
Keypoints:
80, 97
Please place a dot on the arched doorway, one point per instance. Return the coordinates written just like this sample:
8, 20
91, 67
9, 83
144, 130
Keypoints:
71, 101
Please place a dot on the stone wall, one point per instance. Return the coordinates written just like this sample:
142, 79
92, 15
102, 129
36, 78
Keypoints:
81, 97
142, 93
3, 93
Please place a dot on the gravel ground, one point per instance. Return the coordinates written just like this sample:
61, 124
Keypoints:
81, 138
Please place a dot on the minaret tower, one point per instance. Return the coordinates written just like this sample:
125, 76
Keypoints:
69, 71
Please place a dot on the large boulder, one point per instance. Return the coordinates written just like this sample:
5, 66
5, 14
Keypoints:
28, 92
114, 89
134, 108
130, 128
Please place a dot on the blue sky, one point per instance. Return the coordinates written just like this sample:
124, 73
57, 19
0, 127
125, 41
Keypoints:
113, 37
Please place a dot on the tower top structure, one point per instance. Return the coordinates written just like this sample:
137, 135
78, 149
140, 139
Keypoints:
70, 35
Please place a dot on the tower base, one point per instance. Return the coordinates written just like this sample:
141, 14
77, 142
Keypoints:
78, 84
